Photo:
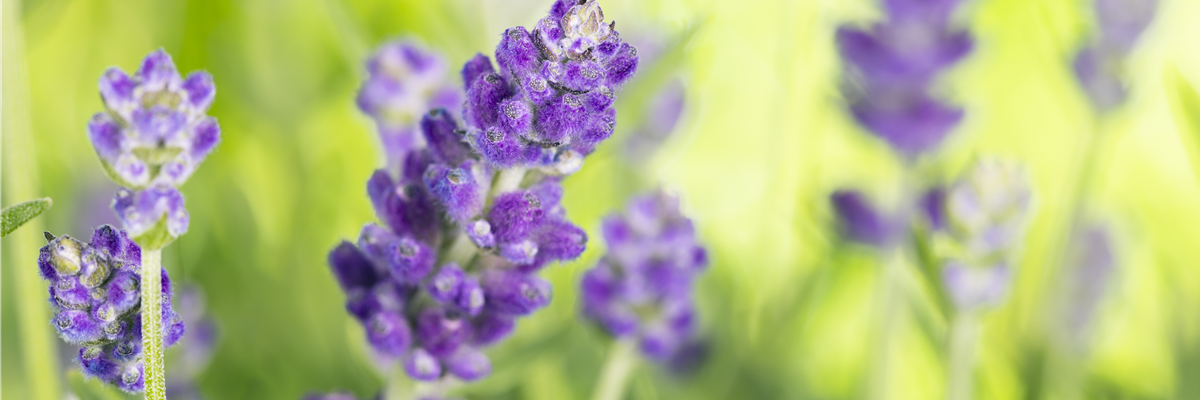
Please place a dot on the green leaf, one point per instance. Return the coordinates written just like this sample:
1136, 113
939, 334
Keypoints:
20, 213
1185, 107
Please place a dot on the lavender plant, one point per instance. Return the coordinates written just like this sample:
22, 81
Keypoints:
892, 67
641, 290
475, 213
978, 224
150, 139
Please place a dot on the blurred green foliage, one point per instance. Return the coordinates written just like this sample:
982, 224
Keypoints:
787, 307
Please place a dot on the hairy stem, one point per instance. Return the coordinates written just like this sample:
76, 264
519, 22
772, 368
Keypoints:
622, 360
152, 329
964, 332
38, 373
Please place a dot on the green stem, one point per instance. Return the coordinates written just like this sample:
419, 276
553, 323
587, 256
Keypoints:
622, 360
39, 367
889, 310
964, 332
152, 331
889, 292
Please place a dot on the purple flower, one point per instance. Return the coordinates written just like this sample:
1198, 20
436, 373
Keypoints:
195, 350
94, 291
861, 222
551, 100
983, 218
465, 226
1089, 275
652, 262
976, 287
1121, 22
891, 68
154, 212
405, 81
1099, 65
155, 130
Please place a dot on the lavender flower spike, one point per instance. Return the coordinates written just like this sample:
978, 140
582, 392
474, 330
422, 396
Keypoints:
892, 66
152, 136
155, 130
465, 227
984, 213
1099, 65
405, 80
642, 289
94, 292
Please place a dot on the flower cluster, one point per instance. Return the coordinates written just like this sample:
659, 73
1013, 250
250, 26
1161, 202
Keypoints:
94, 292
153, 135
642, 288
893, 66
979, 224
551, 101
465, 228
1099, 66
405, 80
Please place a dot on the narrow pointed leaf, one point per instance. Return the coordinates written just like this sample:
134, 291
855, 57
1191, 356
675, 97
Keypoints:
20, 213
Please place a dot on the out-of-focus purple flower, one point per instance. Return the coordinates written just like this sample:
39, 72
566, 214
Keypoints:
1100, 64
1121, 22
984, 215
550, 102
94, 290
195, 350
642, 288
405, 81
665, 110
155, 130
976, 287
892, 65
862, 222
1090, 271
986, 209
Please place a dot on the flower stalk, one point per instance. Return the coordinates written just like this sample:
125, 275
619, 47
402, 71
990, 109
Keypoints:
964, 332
622, 360
152, 328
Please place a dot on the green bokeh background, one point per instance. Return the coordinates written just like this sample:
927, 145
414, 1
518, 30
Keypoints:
787, 307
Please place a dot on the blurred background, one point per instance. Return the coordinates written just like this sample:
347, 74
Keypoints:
787, 307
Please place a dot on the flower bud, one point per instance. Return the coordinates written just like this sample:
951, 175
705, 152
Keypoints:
514, 293
468, 364
154, 217
422, 366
